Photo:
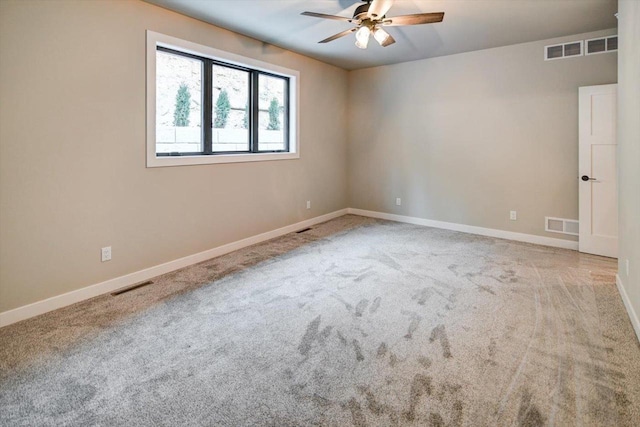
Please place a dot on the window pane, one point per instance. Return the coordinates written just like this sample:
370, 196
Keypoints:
178, 103
272, 105
230, 115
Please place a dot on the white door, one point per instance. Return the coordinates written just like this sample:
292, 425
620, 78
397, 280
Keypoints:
597, 165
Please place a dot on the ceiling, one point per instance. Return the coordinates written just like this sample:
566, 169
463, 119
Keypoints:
468, 25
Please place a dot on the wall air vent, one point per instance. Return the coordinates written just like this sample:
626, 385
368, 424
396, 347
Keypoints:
601, 45
561, 225
564, 50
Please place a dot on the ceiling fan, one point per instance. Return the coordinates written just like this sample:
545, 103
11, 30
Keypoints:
370, 17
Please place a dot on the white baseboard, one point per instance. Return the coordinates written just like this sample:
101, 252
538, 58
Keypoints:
59, 301
633, 316
491, 232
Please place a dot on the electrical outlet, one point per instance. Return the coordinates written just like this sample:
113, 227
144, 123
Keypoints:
513, 215
308, 204
106, 253
398, 201
627, 266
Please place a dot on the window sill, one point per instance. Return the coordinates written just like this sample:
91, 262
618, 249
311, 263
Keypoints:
164, 161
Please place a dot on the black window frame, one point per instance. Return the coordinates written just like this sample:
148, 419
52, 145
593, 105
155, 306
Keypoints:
254, 108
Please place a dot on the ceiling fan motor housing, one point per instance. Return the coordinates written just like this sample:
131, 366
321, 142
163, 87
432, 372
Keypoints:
361, 11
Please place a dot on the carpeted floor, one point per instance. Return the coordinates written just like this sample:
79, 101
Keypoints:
355, 322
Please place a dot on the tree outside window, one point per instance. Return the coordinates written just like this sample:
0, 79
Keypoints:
274, 115
183, 107
223, 106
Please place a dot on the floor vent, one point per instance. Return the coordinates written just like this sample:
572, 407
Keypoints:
303, 230
601, 45
564, 50
130, 288
561, 225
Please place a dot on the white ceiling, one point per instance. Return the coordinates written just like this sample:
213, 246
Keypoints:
468, 25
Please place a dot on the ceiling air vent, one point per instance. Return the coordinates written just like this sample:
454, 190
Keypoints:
564, 50
601, 45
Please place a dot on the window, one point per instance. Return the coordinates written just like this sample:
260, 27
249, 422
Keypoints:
209, 106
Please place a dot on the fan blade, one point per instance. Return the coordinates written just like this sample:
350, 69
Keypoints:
417, 19
337, 36
378, 8
389, 41
325, 16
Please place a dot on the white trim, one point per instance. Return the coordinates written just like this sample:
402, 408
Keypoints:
633, 316
606, 44
581, 42
59, 301
155, 162
156, 39
491, 232
546, 52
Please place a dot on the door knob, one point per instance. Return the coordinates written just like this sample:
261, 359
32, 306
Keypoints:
586, 178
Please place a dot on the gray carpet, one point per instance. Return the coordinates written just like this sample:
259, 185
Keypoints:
355, 322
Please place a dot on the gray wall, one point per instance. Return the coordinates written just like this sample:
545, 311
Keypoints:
72, 152
629, 149
464, 138
467, 138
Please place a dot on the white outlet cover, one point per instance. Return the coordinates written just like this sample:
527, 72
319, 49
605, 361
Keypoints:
398, 201
513, 215
308, 204
106, 253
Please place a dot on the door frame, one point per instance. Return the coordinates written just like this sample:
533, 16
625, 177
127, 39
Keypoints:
585, 244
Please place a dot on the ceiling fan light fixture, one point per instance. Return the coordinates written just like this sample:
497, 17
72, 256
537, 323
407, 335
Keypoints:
362, 37
380, 35
369, 19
